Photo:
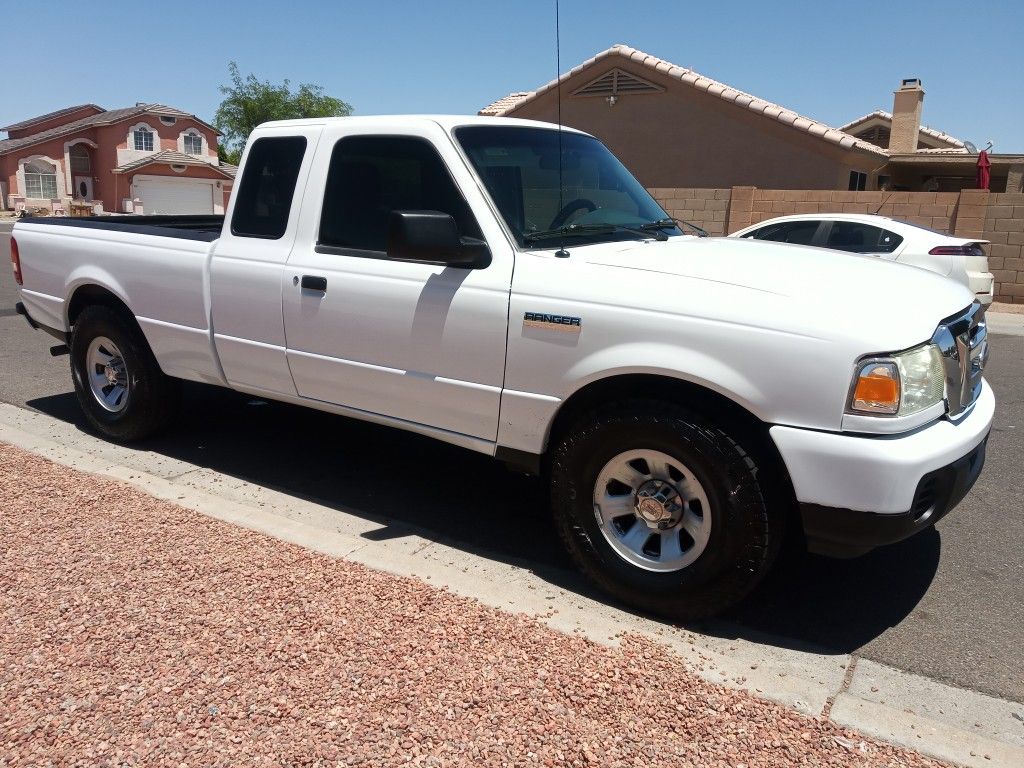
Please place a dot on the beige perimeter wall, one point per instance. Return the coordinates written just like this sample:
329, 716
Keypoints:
994, 216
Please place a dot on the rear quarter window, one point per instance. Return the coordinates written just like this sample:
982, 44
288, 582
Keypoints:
797, 232
267, 188
857, 237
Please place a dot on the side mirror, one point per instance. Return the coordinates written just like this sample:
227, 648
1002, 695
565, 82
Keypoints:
432, 237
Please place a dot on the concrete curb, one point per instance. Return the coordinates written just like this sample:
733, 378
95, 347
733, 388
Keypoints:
948, 723
1009, 323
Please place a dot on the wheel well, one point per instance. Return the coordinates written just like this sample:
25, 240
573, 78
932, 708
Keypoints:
736, 420
718, 407
91, 295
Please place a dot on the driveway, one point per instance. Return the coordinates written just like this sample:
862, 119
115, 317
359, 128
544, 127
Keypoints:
947, 604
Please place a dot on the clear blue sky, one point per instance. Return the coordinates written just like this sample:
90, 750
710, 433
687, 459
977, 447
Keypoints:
831, 61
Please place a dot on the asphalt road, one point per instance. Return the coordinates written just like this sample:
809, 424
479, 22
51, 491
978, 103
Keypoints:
948, 604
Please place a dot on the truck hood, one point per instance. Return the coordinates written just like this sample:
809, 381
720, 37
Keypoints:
790, 288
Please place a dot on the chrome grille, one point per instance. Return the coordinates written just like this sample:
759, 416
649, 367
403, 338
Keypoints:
963, 342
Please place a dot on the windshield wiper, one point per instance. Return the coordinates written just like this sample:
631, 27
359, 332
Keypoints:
582, 230
670, 222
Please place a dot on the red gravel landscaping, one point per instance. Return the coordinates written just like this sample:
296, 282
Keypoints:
135, 632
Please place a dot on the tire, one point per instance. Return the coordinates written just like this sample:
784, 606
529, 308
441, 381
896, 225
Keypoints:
735, 540
150, 399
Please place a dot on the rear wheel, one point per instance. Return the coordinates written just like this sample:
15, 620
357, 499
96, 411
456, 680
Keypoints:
663, 509
120, 387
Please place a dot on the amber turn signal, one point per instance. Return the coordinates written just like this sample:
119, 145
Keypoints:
877, 389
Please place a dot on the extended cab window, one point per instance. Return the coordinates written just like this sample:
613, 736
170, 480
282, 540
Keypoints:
862, 238
799, 232
371, 176
268, 186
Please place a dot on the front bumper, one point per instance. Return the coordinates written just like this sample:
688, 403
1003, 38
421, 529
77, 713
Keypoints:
858, 492
849, 533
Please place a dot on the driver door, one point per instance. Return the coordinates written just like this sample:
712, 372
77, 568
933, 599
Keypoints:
419, 343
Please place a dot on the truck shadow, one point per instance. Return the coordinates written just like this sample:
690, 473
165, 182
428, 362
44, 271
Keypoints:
412, 485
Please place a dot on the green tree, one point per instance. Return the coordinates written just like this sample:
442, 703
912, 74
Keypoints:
248, 102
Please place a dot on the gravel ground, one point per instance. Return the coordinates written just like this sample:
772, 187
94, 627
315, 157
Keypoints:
136, 632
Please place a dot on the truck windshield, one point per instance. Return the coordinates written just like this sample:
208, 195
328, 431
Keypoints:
599, 200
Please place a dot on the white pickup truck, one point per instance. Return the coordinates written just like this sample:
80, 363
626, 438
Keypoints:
510, 288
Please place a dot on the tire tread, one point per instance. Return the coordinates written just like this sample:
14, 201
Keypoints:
761, 537
155, 395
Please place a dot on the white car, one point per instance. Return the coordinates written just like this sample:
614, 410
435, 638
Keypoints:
962, 259
690, 400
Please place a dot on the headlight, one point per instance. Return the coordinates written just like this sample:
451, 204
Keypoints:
900, 384
922, 378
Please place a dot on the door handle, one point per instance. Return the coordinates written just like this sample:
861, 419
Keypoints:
314, 283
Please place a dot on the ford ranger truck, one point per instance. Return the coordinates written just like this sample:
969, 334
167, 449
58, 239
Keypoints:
508, 287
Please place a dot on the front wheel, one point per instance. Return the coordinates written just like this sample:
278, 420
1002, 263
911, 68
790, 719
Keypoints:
662, 509
120, 387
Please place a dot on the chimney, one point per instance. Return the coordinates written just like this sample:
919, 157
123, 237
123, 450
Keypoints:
906, 116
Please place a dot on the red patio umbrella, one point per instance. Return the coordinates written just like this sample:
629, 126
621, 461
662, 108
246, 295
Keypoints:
983, 172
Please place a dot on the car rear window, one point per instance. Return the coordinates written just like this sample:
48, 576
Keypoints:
856, 237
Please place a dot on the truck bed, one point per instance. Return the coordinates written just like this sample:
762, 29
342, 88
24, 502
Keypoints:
155, 265
190, 227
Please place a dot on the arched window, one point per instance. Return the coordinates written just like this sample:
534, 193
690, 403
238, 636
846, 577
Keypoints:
142, 139
40, 179
81, 162
193, 143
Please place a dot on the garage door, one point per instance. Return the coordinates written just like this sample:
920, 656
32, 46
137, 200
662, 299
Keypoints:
166, 197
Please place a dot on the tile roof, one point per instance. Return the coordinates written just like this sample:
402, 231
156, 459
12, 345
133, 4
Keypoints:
103, 118
48, 116
939, 151
713, 87
505, 103
172, 156
881, 114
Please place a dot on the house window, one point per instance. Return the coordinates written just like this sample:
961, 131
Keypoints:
80, 162
40, 180
193, 144
858, 181
143, 139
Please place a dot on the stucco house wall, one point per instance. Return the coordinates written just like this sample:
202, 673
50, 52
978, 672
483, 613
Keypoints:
684, 133
115, 149
109, 146
677, 128
11, 165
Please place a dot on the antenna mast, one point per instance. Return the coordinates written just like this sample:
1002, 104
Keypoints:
561, 252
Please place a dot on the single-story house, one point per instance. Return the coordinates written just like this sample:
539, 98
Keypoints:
149, 158
674, 127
